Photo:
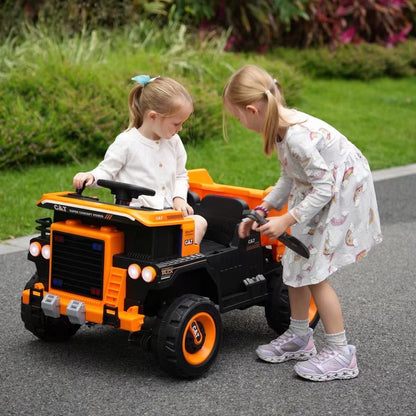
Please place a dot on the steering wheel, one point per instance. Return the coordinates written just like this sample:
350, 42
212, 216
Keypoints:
124, 192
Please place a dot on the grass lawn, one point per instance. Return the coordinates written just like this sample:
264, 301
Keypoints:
378, 116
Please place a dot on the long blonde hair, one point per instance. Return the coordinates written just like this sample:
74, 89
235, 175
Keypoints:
251, 84
163, 95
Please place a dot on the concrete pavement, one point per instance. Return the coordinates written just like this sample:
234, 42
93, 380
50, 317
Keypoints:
98, 372
15, 244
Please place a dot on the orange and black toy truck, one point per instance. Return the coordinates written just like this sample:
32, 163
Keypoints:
138, 270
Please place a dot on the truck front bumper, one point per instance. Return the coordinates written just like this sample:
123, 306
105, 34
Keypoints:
80, 311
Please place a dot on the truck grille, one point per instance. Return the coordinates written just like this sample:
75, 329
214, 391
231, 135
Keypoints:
77, 264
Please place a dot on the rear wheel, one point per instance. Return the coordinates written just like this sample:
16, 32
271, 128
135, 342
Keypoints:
45, 327
189, 336
277, 308
313, 314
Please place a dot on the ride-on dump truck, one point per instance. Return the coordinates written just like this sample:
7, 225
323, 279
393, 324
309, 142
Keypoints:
138, 270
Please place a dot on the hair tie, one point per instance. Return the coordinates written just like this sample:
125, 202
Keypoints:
144, 79
267, 92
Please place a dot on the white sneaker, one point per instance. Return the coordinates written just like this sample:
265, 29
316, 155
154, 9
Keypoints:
329, 364
288, 346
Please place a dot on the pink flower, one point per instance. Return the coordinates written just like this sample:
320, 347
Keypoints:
399, 37
230, 43
394, 3
347, 35
344, 9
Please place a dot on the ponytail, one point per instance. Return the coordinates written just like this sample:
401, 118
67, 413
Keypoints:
271, 126
135, 112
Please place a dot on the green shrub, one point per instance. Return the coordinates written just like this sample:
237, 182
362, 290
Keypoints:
406, 51
253, 23
358, 61
65, 98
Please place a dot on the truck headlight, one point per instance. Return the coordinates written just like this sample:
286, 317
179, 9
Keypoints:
46, 251
35, 249
134, 271
148, 274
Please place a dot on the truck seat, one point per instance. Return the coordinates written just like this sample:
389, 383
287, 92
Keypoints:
222, 214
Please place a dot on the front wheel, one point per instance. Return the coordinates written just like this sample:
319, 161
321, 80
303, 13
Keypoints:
189, 336
45, 327
277, 307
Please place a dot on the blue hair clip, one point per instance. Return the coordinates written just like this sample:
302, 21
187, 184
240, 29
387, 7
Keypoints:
144, 79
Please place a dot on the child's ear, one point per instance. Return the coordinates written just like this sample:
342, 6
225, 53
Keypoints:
252, 109
151, 115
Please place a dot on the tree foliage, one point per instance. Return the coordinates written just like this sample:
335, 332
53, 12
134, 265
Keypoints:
251, 24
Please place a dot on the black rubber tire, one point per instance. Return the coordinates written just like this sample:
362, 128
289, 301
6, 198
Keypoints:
277, 307
180, 351
44, 327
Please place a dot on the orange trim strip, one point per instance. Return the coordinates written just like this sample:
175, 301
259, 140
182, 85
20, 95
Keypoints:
202, 184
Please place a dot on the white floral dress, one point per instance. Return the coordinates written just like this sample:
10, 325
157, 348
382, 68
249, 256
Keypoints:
330, 192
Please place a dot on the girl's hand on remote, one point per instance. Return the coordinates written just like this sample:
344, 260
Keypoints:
245, 226
276, 226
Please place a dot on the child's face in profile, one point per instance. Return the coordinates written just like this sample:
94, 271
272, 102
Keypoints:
166, 127
251, 117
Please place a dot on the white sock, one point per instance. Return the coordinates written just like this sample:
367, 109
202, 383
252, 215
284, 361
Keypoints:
338, 342
299, 327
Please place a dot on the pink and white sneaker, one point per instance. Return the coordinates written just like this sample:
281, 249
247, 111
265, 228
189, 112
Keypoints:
328, 365
288, 346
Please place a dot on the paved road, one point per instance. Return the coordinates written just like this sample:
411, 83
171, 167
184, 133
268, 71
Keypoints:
99, 373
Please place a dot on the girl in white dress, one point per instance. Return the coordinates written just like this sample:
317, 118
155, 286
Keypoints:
332, 209
150, 152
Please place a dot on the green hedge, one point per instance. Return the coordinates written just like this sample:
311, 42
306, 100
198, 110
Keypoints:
66, 99
359, 61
